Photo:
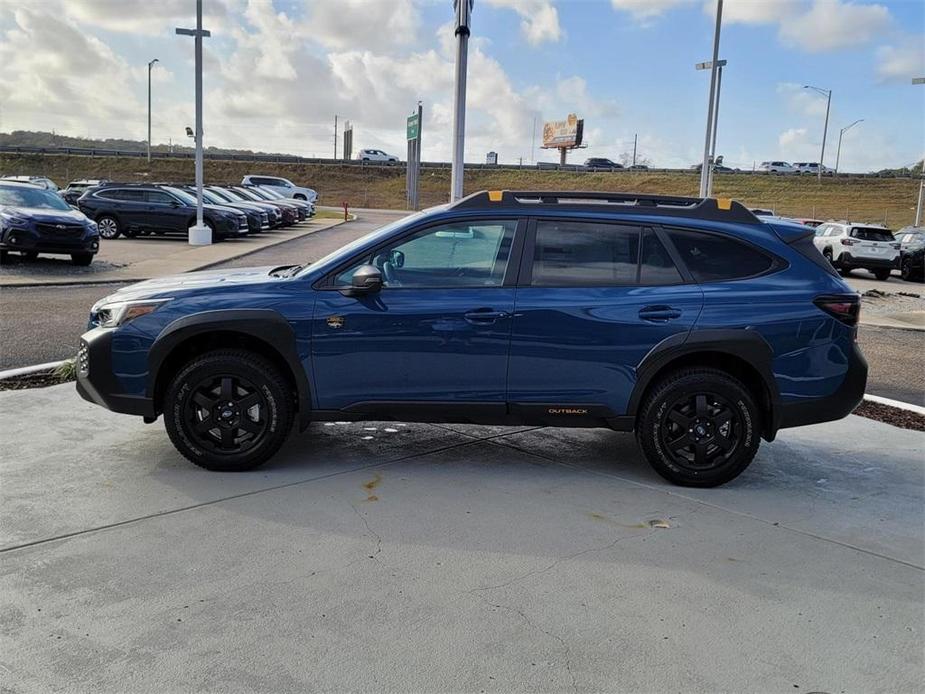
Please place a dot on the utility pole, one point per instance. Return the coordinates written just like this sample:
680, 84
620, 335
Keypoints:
533, 142
715, 122
840, 133
199, 235
705, 167
825, 128
919, 205
463, 10
150, 65
335, 137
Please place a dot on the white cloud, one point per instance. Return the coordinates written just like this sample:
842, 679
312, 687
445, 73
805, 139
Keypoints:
833, 24
645, 10
902, 62
754, 11
370, 24
539, 19
806, 102
792, 136
152, 17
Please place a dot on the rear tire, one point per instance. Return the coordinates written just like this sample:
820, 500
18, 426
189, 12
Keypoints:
228, 410
4, 257
82, 259
827, 253
30, 255
699, 427
882, 274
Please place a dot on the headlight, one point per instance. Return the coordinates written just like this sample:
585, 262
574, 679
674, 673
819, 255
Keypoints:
13, 221
114, 314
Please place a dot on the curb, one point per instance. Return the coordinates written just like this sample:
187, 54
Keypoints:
29, 370
898, 404
129, 280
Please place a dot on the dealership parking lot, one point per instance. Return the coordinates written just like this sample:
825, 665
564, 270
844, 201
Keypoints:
382, 557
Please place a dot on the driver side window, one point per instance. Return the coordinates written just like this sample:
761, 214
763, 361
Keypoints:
456, 254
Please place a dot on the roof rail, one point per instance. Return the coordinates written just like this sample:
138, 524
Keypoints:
713, 209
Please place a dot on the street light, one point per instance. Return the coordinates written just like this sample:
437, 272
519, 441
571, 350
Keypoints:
825, 130
150, 65
840, 133
719, 84
714, 66
463, 10
199, 235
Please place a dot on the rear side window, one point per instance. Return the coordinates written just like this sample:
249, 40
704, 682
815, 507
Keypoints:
871, 234
584, 254
713, 257
655, 265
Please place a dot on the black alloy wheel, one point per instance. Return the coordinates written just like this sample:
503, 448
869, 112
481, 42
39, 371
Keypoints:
700, 431
226, 414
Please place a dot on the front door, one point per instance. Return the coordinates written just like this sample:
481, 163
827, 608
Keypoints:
435, 336
595, 298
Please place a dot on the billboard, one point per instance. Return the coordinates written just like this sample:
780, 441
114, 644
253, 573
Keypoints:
563, 133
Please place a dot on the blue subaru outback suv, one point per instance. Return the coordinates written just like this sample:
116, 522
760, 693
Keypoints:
691, 322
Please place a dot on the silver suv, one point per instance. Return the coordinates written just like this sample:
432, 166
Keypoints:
849, 246
283, 186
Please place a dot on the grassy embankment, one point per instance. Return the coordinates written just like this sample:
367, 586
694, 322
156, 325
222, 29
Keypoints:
883, 200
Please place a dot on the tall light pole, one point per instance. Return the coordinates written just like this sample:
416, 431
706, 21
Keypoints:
463, 10
705, 167
919, 205
199, 235
825, 129
719, 85
150, 65
840, 133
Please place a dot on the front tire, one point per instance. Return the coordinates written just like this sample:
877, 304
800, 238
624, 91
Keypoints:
228, 410
81, 259
109, 227
699, 427
882, 274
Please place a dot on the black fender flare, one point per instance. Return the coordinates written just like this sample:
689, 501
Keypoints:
265, 325
747, 345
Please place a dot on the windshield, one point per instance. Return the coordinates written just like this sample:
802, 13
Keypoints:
258, 195
183, 195
871, 234
341, 253
272, 194
25, 196
245, 195
230, 195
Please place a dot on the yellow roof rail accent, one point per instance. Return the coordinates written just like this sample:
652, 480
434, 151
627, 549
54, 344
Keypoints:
724, 203
495, 195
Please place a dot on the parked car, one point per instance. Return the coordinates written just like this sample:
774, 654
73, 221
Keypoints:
75, 189
776, 167
601, 164
35, 220
254, 217
376, 155
307, 207
849, 246
638, 167
814, 223
275, 213
811, 167
298, 213
911, 253
258, 219
283, 186
132, 208
762, 212
717, 168
689, 321
40, 181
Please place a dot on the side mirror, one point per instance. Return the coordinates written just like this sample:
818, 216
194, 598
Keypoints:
366, 279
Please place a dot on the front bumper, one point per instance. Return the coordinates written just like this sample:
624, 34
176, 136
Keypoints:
96, 381
28, 240
839, 404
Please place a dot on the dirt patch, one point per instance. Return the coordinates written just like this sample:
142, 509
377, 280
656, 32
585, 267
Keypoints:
904, 419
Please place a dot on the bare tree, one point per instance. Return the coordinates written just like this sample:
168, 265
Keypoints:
626, 158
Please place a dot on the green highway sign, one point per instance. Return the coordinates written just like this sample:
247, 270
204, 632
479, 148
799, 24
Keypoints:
413, 127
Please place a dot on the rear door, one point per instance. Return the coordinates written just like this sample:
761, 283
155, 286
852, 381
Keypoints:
593, 298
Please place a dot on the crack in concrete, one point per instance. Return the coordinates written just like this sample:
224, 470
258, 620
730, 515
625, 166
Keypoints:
370, 531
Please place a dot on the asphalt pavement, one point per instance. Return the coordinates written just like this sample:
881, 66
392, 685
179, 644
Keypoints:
389, 558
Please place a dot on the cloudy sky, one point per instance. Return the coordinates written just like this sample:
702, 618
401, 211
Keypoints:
277, 72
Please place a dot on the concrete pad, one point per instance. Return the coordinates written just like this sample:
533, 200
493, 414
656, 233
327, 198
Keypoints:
525, 561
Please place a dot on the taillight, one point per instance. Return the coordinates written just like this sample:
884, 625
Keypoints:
848, 242
845, 307
897, 246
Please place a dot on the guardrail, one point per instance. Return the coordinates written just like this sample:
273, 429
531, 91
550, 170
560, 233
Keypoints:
292, 159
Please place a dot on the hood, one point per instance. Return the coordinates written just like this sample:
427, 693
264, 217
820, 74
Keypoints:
193, 280
45, 215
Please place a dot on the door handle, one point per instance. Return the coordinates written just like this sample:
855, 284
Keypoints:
659, 314
485, 315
